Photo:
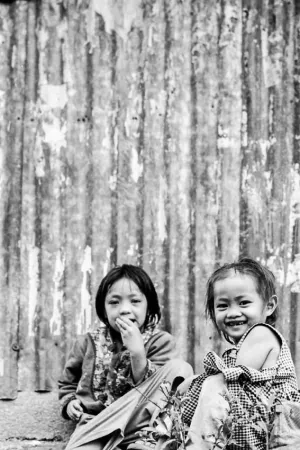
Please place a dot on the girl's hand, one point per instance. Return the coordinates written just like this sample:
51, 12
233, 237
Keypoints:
133, 341
131, 336
74, 410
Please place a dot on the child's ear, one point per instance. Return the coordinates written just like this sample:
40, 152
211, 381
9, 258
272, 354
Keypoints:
271, 305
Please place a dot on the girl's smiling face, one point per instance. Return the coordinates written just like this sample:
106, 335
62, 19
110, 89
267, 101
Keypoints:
238, 306
124, 299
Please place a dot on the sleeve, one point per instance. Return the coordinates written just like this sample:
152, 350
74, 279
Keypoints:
160, 349
67, 384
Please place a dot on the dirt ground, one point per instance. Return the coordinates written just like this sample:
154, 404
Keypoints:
33, 421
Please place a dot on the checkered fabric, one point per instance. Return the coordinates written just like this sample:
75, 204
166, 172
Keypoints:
249, 391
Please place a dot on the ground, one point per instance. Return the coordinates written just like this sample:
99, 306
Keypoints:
33, 421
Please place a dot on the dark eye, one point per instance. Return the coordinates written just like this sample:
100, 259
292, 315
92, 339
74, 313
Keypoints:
221, 306
244, 302
113, 302
135, 300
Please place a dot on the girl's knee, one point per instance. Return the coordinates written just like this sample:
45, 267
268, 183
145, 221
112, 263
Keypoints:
213, 394
181, 367
176, 371
215, 382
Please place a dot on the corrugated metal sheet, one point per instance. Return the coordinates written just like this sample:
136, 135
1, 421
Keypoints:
159, 133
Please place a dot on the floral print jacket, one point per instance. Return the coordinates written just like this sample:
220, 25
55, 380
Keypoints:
97, 374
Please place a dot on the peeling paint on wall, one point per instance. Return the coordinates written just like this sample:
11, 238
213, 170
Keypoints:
161, 216
58, 294
33, 281
85, 315
55, 134
119, 15
54, 96
136, 167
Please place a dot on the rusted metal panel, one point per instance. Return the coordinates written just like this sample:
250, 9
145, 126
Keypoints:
6, 26
176, 167
205, 170
13, 114
155, 191
129, 112
268, 121
29, 252
104, 185
163, 134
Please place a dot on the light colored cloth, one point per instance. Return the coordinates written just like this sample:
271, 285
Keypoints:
207, 426
286, 431
210, 414
120, 422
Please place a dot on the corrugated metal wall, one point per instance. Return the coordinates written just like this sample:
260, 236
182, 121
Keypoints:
163, 133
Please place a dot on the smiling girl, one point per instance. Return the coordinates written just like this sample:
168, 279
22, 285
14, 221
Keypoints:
241, 301
110, 384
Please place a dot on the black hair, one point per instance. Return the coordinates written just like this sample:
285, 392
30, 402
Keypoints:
143, 282
263, 277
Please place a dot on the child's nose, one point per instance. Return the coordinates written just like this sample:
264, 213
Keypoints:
125, 309
234, 311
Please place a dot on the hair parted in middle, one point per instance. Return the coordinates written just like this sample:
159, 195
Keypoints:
143, 282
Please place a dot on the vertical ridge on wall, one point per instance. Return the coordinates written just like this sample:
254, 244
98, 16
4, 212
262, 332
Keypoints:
283, 133
130, 139
166, 167
50, 142
155, 110
14, 115
104, 185
115, 155
204, 51
177, 157
229, 126
28, 251
78, 253
295, 201
8, 369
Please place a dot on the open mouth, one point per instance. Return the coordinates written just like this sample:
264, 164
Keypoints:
235, 323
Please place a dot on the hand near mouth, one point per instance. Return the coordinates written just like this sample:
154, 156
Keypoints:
133, 341
131, 335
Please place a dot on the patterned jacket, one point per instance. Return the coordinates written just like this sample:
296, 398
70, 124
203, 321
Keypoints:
96, 374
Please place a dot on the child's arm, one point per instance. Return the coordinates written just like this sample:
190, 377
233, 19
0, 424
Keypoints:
260, 349
68, 382
133, 341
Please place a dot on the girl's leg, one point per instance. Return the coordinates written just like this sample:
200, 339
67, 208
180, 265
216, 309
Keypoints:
120, 422
211, 412
174, 372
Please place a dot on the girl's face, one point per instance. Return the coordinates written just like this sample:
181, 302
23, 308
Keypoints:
238, 306
124, 299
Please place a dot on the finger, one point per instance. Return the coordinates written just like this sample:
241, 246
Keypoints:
122, 324
126, 320
78, 409
76, 415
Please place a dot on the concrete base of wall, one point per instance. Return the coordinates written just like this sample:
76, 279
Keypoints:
33, 421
